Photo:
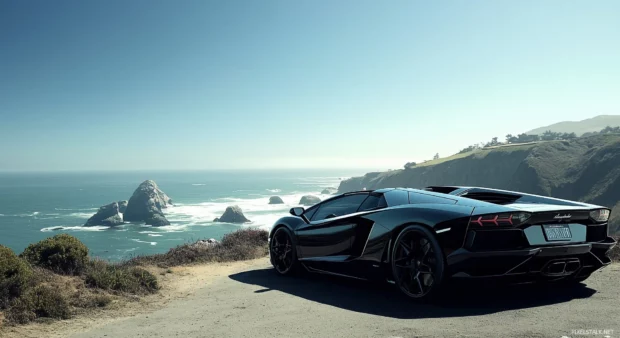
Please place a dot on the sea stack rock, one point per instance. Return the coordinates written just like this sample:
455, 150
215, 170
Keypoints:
275, 200
233, 214
329, 191
122, 206
146, 204
309, 200
156, 220
107, 215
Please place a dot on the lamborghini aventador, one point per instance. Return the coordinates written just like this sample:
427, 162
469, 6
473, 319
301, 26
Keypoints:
416, 239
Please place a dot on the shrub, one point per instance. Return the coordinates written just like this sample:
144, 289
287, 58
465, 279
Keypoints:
120, 278
62, 254
239, 245
246, 237
14, 276
20, 311
90, 298
48, 302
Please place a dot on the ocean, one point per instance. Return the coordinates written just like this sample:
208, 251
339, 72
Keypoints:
34, 206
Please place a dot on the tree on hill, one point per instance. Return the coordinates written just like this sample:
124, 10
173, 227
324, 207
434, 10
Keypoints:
410, 165
436, 157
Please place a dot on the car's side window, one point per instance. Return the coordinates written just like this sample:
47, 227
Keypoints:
374, 201
341, 206
310, 212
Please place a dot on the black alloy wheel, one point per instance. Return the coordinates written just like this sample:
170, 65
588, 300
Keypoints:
282, 251
417, 262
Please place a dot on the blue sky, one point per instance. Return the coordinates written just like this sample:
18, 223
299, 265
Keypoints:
102, 85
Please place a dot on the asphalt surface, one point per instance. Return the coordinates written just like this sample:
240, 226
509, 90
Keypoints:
258, 303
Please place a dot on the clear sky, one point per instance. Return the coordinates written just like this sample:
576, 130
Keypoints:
147, 84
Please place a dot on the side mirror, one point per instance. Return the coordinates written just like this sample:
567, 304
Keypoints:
297, 211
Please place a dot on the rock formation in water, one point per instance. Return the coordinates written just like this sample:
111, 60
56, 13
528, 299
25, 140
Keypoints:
146, 204
122, 206
275, 200
329, 191
157, 220
107, 215
309, 200
233, 214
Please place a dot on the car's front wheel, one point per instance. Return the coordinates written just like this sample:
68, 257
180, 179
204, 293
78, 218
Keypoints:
417, 262
282, 252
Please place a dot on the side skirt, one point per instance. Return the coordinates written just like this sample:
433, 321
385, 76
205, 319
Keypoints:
315, 270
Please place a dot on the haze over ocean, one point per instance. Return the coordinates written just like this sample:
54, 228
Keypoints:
34, 206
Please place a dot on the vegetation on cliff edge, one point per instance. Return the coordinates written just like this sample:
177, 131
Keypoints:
55, 278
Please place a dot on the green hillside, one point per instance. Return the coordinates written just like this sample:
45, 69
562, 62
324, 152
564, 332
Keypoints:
580, 127
584, 169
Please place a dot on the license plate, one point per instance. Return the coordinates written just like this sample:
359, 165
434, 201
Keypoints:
557, 232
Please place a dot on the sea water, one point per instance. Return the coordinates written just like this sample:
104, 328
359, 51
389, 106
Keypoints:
34, 206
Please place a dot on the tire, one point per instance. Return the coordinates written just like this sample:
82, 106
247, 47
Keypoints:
283, 252
417, 263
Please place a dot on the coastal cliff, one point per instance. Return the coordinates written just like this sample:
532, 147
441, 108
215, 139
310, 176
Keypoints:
584, 169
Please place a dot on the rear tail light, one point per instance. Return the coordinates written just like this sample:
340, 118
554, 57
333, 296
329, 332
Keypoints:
600, 215
499, 220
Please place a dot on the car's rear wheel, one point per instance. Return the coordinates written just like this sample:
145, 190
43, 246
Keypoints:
417, 262
282, 252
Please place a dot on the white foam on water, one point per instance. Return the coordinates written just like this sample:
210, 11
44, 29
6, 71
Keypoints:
84, 209
274, 190
257, 210
140, 241
85, 215
154, 235
198, 184
75, 228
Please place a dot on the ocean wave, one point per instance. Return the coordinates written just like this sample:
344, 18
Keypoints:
198, 184
80, 215
141, 241
75, 228
154, 235
257, 210
83, 209
274, 190
32, 214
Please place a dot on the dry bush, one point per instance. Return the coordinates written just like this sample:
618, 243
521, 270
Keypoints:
236, 246
103, 275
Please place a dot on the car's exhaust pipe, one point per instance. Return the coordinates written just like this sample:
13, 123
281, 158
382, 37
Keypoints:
562, 267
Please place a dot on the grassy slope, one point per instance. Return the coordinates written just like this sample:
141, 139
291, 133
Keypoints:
579, 127
586, 169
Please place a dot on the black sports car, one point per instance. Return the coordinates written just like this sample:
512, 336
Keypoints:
418, 238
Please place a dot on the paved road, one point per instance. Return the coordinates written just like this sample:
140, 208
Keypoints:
257, 303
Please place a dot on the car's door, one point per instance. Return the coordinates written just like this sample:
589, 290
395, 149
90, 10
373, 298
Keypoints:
330, 229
